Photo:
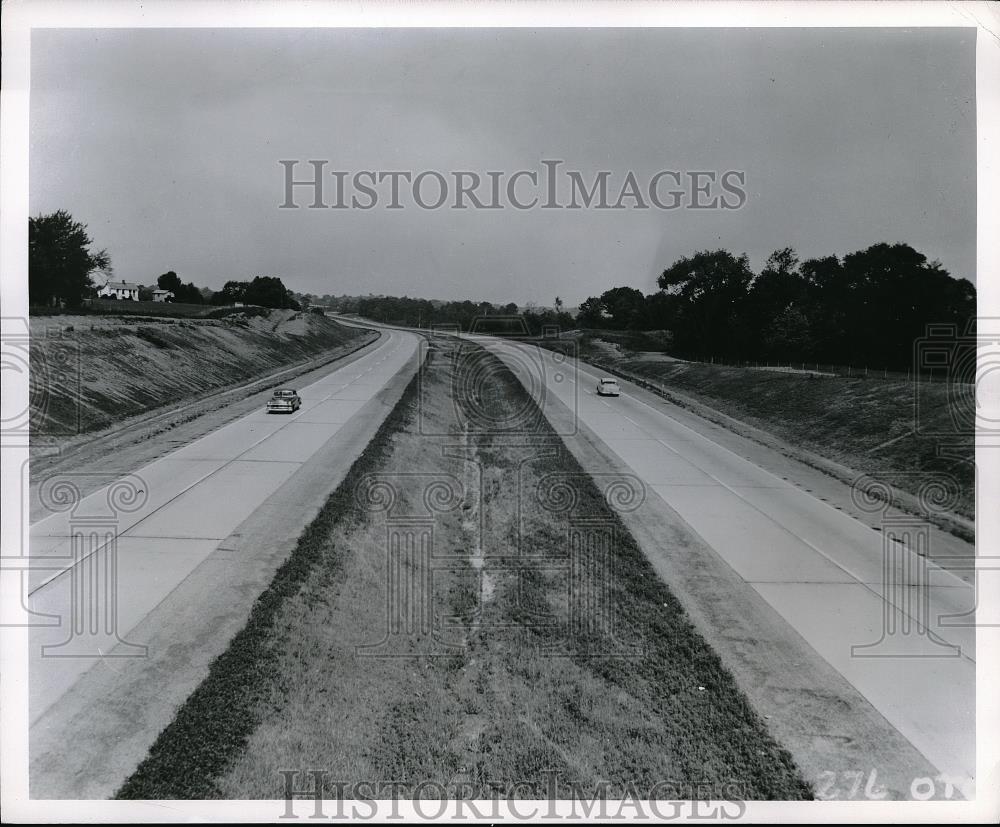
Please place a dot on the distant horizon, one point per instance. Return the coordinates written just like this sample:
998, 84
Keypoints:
568, 307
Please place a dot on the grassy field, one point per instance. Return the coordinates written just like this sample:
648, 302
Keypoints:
176, 310
552, 657
114, 307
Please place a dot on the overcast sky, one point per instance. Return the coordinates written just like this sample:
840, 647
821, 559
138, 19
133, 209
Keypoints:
167, 142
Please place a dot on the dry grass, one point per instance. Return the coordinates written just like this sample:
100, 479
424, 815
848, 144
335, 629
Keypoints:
90, 372
900, 432
866, 424
512, 691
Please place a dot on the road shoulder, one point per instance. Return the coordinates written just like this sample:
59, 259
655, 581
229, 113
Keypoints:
947, 549
833, 732
143, 439
946, 523
119, 706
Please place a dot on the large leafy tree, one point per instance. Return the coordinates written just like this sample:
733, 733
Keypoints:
710, 287
624, 305
773, 314
268, 291
896, 293
619, 308
186, 293
870, 307
60, 259
591, 313
231, 292
659, 311
169, 281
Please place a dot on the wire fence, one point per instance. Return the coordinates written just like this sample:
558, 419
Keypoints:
846, 371
635, 345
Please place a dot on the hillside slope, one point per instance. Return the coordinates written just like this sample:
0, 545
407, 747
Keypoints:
873, 426
917, 438
88, 372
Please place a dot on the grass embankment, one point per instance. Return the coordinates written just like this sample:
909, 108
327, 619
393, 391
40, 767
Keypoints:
511, 691
869, 425
866, 424
90, 372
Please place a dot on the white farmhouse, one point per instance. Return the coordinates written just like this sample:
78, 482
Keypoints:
119, 290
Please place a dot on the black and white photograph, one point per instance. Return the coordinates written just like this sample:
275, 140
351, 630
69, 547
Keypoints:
500, 412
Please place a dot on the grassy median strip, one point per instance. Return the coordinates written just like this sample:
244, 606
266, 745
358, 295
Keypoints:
468, 617
212, 726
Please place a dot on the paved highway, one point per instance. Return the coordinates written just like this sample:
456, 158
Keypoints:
169, 516
819, 567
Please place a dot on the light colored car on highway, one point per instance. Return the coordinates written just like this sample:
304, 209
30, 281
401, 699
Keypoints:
608, 387
284, 400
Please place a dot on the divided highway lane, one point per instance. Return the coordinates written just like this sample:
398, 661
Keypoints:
820, 568
170, 515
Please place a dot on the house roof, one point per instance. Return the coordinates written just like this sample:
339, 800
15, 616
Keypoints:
161, 290
122, 285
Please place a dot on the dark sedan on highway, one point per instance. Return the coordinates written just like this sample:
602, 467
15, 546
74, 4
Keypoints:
284, 400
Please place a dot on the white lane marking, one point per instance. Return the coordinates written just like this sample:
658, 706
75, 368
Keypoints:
958, 582
876, 589
743, 460
333, 372
207, 476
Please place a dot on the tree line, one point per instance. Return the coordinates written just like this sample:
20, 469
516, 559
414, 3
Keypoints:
867, 307
267, 291
467, 315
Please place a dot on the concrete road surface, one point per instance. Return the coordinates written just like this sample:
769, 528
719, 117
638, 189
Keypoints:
163, 522
895, 625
